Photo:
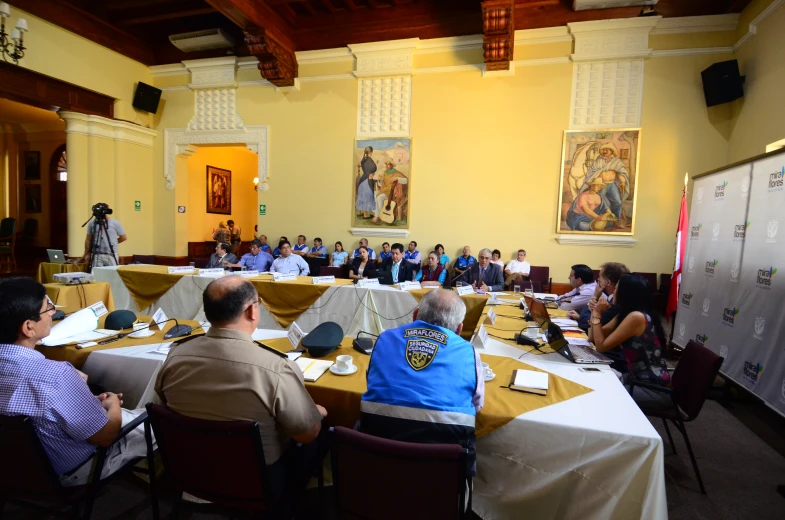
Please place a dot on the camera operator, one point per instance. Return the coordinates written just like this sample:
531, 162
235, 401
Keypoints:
102, 256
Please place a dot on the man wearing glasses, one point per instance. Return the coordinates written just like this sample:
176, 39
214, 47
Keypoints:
485, 276
69, 420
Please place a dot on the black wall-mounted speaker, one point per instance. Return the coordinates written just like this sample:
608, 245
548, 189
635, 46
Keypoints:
722, 83
147, 97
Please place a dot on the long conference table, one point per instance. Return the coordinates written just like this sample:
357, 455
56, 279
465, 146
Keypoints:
586, 451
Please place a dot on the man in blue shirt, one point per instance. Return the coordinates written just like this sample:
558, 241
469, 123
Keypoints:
318, 250
256, 260
265, 246
463, 262
301, 249
289, 262
413, 256
364, 243
386, 255
69, 420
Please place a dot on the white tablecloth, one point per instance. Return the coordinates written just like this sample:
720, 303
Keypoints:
354, 308
593, 456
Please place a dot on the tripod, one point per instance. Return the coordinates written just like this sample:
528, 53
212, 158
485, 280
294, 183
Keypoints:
100, 227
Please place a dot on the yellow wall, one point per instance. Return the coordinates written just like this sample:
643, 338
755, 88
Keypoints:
242, 163
757, 118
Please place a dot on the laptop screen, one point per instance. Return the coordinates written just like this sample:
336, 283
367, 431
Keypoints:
538, 311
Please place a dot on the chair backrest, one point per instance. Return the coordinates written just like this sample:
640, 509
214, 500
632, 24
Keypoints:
27, 472
219, 461
143, 259
596, 273
651, 280
7, 227
30, 228
665, 282
200, 263
434, 476
540, 273
327, 270
693, 377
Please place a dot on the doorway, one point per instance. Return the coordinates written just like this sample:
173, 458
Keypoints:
58, 213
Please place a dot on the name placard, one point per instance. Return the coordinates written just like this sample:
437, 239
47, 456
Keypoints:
295, 334
480, 338
466, 289
212, 271
158, 318
409, 286
248, 274
284, 277
491, 316
323, 279
182, 269
140, 326
368, 282
493, 300
99, 309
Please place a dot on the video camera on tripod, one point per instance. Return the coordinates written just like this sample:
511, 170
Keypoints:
101, 210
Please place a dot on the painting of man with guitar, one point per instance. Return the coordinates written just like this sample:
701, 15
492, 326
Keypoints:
390, 181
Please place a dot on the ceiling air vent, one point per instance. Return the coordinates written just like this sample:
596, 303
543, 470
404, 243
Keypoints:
585, 5
202, 40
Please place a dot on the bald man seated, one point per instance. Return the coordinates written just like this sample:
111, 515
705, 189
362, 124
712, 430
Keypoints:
224, 375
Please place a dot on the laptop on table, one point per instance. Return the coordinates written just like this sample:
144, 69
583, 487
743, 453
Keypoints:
575, 353
56, 256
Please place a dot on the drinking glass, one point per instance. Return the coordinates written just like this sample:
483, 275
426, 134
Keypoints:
516, 290
458, 284
192, 264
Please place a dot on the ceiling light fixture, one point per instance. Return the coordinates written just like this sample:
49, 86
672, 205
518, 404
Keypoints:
12, 47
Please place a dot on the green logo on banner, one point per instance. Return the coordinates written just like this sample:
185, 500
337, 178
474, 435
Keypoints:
138, 205
262, 209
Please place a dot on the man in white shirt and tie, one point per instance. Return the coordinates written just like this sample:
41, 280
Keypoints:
288, 262
583, 287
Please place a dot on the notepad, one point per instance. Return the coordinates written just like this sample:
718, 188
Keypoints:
313, 368
529, 381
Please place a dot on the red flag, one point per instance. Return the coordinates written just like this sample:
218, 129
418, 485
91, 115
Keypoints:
681, 245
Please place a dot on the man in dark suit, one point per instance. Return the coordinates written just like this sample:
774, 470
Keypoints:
485, 276
401, 270
221, 255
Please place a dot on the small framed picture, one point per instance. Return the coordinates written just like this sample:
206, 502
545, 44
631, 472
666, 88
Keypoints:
32, 166
32, 198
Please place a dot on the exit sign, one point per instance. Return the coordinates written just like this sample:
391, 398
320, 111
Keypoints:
137, 205
262, 209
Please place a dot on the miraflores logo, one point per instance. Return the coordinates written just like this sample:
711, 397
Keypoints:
691, 263
776, 180
719, 191
724, 351
706, 305
752, 371
765, 277
695, 231
700, 195
734, 272
760, 325
745, 186
715, 231
701, 340
711, 266
729, 316
682, 330
686, 298
740, 230
771, 230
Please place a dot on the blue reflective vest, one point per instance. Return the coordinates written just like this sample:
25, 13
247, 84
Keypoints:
421, 380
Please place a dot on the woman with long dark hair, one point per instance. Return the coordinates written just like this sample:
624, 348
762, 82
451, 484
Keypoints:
637, 328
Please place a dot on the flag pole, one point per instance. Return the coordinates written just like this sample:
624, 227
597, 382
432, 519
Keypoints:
681, 243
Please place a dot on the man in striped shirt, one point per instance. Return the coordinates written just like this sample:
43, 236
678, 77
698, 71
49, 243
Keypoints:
69, 420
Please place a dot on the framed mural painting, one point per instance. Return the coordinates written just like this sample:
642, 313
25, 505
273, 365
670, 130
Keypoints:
32, 165
381, 185
219, 191
598, 185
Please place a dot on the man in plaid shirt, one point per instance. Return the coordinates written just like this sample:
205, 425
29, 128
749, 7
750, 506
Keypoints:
69, 420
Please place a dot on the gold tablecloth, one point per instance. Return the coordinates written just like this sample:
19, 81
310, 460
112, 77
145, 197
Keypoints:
474, 308
147, 283
341, 395
287, 300
75, 297
77, 357
47, 270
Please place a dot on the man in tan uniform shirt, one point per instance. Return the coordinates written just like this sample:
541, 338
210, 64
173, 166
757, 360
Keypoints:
225, 376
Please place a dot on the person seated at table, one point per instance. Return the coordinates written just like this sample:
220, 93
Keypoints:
222, 257
496, 258
318, 250
517, 269
339, 256
484, 275
221, 235
265, 246
277, 251
443, 259
462, 263
413, 256
362, 266
224, 375
386, 255
301, 248
289, 262
638, 330
433, 273
425, 383
256, 260
70, 421
364, 243
583, 286
400, 269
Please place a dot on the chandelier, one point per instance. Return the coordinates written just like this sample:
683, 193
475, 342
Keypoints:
12, 47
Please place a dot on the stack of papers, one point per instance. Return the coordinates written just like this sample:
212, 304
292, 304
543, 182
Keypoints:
79, 327
530, 381
163, 349
313, 368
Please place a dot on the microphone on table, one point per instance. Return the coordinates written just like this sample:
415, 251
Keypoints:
468, 268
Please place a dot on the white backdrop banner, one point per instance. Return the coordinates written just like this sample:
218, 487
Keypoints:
730, 298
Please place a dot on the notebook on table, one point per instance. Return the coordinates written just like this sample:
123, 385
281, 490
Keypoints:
529, 381
313, 369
